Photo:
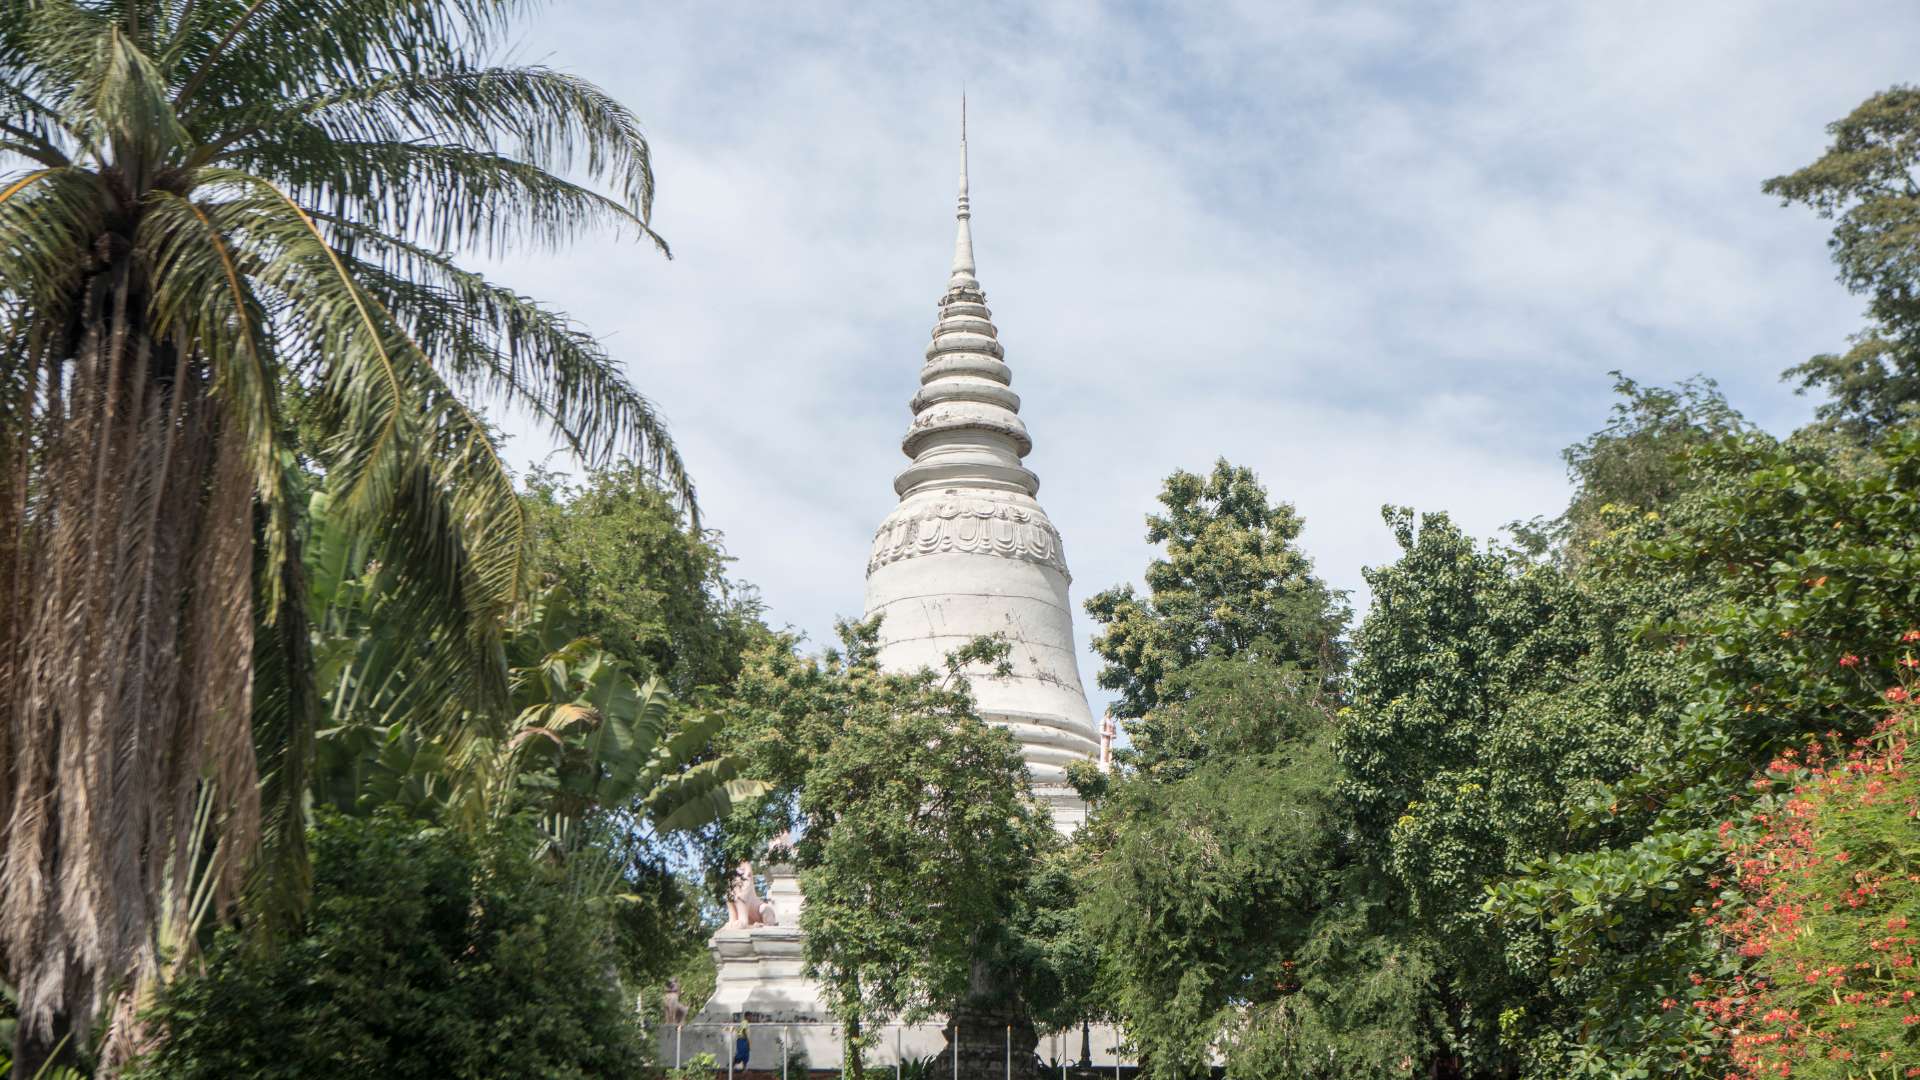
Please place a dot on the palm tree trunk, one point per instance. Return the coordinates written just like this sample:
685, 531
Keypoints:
37, 1053
125, 654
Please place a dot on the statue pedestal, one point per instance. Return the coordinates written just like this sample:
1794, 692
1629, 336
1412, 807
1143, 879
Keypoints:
761, 978
761, 981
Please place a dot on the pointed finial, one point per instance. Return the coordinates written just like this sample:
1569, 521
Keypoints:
963, 155
963, 236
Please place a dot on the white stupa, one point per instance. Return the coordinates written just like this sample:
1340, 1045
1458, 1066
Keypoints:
968, 552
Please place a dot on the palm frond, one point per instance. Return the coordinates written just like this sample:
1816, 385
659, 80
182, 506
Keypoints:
699, 795
46, 47
121, 101
363, 40
30, 129
446, 195
492, 338
48, 218
542, 118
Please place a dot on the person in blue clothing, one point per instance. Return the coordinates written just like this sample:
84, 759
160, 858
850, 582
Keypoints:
742, 1051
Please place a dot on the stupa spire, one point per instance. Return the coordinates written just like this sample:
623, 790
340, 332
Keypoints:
966, 429
963, 270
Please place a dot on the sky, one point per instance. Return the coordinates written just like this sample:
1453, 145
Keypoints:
1383, 254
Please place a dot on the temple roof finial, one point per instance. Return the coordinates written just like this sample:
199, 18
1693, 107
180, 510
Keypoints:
963, 269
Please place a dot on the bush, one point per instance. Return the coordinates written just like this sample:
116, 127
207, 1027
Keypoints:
1824, 906
425, 954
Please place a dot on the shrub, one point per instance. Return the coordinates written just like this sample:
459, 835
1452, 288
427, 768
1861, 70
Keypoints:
425, 954
1825, 906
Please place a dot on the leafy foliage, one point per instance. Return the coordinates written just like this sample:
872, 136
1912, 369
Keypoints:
425, 954
579, 735
1638, 462
1826, 884
1043, 955
918, 831
1217, 871
650, 589
1495, 699
1505, 857
1201, 893
1232, 583
1808, 562
917, 834
1865, 183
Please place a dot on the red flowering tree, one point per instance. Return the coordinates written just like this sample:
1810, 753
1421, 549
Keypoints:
1815, 580
1822, 902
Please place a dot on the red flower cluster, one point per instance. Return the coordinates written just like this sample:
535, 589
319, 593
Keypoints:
1822, 922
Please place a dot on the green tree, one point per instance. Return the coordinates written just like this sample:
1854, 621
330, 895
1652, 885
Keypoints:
1043, 958
917, 835
1824, 880
1545, 757
579, 735
1865, 183
1358, 999
1805, 596
1232, 583
613, 770
648, 587
426, 953
1639, 462
1202, 887
1495, 696
1437, 767
1218, 872
226, 240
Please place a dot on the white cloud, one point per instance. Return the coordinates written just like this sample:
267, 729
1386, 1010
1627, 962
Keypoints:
1383, 253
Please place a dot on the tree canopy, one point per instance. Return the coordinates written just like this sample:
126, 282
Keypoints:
1865, 183
645, 583
1231, 583
426, 954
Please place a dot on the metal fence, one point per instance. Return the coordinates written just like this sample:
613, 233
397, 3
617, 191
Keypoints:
792, 1048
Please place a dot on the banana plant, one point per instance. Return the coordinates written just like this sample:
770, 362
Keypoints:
581, 733
588, 736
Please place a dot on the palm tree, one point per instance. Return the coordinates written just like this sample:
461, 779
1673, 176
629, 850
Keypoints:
225, 266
